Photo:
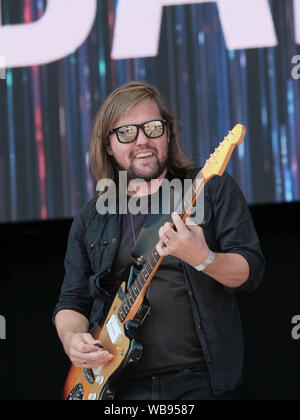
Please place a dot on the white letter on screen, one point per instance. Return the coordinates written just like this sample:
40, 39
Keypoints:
63, 28
246, 24
2, 67
297, 20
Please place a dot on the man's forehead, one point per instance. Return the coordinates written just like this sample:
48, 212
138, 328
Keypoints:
142, 111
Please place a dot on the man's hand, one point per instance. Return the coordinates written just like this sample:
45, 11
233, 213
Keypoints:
185, 241
86, 352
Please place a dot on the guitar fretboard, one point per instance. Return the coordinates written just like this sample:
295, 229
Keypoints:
138, 285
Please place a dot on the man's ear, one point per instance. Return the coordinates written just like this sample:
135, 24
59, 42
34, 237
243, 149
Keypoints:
108, 149
168, 134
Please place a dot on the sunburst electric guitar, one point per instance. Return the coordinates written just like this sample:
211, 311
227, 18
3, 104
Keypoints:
119, 332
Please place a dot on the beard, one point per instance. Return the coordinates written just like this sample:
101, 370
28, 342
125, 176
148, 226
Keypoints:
146, 173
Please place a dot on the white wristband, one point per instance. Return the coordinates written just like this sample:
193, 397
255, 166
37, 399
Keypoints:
209, 260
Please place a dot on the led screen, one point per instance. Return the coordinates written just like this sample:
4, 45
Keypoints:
216, 63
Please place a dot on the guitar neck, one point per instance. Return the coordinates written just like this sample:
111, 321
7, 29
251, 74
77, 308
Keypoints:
135, 296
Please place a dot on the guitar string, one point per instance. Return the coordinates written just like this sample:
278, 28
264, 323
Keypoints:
134, 238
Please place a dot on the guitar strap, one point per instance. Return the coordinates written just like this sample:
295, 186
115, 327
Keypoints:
148, 237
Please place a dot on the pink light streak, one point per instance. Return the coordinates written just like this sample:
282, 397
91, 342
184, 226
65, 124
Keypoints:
38, 123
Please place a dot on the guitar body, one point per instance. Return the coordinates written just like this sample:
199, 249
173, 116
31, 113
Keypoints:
119, 339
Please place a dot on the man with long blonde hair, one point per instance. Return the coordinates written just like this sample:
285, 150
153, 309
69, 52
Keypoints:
192, 339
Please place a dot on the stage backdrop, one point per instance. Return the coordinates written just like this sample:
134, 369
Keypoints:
217, 63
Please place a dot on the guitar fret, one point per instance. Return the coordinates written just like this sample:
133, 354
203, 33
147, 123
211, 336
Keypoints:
130, 297
146, 275
139, 285
155, 255
150, 262
134, 291
152, 256
121, 314
137, 289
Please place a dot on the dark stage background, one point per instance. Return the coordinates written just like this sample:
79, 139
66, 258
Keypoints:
32, 362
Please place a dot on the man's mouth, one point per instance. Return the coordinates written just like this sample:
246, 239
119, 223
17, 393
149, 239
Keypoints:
143, 155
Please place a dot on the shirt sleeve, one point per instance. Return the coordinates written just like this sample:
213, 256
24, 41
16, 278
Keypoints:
75, 293
234, 227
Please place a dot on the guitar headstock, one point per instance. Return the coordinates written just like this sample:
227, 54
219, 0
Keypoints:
218, 161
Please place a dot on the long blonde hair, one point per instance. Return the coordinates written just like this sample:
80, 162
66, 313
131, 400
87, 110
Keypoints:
101, 164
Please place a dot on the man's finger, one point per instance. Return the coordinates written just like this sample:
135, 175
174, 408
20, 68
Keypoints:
88, 360
190, 223
178, 222
89, 339
161, 249
85, 343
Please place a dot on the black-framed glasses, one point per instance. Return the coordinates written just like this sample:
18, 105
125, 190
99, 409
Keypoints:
129, 133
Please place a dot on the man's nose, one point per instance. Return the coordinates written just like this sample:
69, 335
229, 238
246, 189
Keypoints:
141, 138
